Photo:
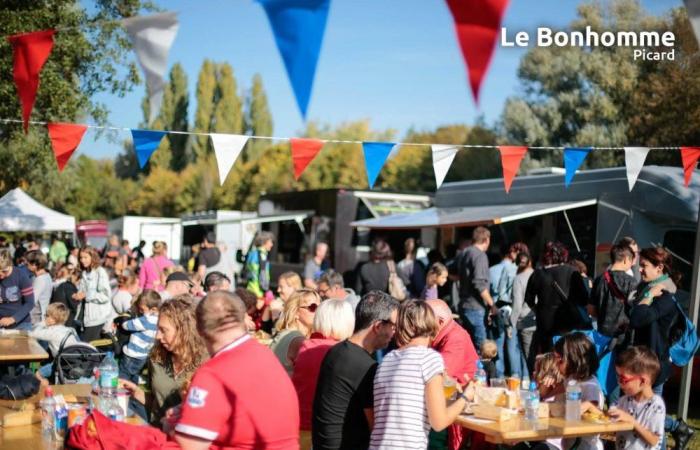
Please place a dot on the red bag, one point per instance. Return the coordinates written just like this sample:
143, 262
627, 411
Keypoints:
99, 432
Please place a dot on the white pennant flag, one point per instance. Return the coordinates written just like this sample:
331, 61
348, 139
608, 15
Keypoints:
693, 8
152, 37
634, 160
227, 148
443, 155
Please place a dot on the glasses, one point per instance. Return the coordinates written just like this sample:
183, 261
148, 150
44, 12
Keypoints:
389, 322
311, 307
323, 291
624, 380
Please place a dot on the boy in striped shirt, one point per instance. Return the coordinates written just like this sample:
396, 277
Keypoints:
143, 336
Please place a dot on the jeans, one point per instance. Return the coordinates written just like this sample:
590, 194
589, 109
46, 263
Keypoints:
476, 317
516, 357
46, 370
130, 368
25, 326
500, 340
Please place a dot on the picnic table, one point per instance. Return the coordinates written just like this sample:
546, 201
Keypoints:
518, 429
17, 348
29, 437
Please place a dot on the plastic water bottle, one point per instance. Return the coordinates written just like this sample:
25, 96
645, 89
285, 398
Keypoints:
480, 375
573, 401
532, 405
113, 410
109, 375
48, 410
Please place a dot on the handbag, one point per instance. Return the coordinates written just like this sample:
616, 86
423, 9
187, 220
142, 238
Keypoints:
396, 287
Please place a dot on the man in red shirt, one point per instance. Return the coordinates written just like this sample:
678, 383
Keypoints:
242, 397
455, 346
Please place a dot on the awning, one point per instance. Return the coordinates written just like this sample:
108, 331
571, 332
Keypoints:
20, 212
296, 216
469, 215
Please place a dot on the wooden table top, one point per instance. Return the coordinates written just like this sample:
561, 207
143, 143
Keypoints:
21, 348
29, 437
519, 430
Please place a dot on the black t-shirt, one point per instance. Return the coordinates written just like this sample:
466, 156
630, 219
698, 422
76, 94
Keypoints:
209, 257
344, 390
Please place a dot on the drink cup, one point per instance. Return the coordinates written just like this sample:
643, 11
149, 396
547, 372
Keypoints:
449, 386
513, 383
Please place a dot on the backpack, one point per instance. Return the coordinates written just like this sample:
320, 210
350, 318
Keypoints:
396, 287
683, 338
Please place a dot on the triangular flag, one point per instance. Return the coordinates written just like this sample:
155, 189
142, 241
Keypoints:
511, 157
65, 138
227, 148
690, 156
693, 8
443, 155
573, 158
634, 161
145, 143
298, 26
152, 37
303, 152
376, 154
31, 50
477, 23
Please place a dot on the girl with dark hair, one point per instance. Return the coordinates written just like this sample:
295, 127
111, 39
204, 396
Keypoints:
374, 274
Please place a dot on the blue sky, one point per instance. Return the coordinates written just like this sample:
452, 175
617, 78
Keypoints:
394, 62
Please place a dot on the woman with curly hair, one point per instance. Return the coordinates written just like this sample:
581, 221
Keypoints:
178, 352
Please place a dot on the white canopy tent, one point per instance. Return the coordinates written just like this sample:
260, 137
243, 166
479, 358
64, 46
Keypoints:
20, 212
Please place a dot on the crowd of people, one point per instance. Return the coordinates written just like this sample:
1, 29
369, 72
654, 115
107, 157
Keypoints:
352, 369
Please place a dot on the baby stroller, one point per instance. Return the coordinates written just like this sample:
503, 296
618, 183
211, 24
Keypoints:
75, 363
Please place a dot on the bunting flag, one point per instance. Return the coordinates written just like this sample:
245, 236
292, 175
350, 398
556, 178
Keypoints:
31, 50
65, 138
298, 26
690, 156
693, 8
573, 158
477, 23
303, 152
634, 161
152, 37
227, 148
443, 155
145, 143
376, 154
511, 157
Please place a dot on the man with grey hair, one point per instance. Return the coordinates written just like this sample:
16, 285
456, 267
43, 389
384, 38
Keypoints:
331, 285
241, 397
314, 267
344, 402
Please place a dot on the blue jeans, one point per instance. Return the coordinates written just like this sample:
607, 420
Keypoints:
476, 317
26, 326
130, 368
46, 370
516, 357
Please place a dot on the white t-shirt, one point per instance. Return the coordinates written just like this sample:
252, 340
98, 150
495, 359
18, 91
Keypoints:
400, 414
590, 392
650, 414
121, 301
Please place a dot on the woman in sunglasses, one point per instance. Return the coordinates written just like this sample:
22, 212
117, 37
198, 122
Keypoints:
294, 326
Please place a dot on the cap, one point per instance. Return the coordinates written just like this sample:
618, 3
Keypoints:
178, 276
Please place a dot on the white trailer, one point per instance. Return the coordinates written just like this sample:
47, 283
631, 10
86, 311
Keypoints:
149, 229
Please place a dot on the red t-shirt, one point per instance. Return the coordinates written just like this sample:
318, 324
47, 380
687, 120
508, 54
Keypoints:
242, 398
305, 377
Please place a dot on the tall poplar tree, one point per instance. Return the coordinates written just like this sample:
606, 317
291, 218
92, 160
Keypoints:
258, 120
206, 104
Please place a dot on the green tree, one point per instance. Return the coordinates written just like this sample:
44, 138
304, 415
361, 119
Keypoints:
258, 120
89, 57
206, 105
228, 109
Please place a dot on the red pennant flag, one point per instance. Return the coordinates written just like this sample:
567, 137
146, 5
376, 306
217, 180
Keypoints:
477, 23
690, 156
65, 138
511, 157
303, 152
31, 50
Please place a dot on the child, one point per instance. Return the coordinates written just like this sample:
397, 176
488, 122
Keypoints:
140, 343
637, 369
122, 299
54, 331
489, 353
436, 277
578, 361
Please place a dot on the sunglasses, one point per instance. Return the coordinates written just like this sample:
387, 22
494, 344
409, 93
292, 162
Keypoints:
621, 379
311, 308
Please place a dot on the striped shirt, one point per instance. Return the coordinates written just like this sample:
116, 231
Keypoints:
400, 414
144, 336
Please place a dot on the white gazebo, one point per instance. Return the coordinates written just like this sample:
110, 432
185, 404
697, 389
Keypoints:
20, 212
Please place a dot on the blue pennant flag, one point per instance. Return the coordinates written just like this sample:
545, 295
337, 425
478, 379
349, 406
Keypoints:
145, 143
298, 26
376, 154
573, 158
